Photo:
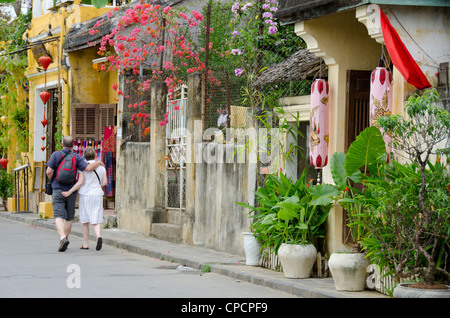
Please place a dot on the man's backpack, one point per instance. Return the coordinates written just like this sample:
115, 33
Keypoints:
67, 169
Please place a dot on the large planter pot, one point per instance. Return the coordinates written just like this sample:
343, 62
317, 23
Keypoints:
403, 291
349, 271
252, 249
297, 260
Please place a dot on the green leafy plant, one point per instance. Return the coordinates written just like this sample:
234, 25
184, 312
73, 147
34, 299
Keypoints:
363, 154
408, 214
287, 212
6, 184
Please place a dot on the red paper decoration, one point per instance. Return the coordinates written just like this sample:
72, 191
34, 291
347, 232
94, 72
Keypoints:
45, 61
45, 96
44, 123
319, 126
4, 162
380, 98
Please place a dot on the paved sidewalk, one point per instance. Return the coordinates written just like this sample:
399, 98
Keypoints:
195, 257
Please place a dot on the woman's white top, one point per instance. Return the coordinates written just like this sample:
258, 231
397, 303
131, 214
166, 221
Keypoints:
91, 185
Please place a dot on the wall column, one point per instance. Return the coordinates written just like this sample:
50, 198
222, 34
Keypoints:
158, 145
194, 136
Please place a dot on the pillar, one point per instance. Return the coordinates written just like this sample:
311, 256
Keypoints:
158, 144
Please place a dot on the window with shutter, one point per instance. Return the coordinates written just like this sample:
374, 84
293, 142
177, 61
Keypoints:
89, 120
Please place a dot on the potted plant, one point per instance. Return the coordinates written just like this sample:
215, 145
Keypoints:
6, 186
289, 220
349, 269
408, 215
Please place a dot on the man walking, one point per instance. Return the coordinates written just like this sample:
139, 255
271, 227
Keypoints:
64, 208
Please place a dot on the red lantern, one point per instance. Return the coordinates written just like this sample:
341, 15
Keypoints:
44, 122
380, 98
43, 148
4, 162
45, 96
45, 61
319, 129
43, 137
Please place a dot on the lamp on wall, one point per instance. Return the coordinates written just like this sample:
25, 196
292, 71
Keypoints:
97, 64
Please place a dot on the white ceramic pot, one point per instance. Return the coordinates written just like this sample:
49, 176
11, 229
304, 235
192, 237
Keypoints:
252, 249
297, 260
403, 291
349, 271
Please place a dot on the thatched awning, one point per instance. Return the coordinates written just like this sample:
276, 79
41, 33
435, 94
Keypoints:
299, 66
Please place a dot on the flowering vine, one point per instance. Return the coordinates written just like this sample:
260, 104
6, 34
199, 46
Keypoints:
152, 37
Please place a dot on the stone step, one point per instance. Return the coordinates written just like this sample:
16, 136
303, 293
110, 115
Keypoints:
166, 231
173, 216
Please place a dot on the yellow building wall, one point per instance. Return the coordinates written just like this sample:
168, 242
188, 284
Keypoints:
80, 84
88, 85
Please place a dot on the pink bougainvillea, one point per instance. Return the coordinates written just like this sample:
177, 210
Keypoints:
154, 37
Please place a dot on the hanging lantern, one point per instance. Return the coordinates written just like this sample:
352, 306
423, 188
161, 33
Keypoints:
43, 138
43, 148
45, 96
380, 98
44, 122
45, 61
318, 143
4, 162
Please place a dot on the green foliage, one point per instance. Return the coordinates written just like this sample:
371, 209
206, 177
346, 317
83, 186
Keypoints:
406, 205
13, 63
364, 151
286, 212
6, 184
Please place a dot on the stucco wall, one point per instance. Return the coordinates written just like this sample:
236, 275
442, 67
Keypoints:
219, 221
132, 187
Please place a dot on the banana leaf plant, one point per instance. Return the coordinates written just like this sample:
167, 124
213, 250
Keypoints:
347, 169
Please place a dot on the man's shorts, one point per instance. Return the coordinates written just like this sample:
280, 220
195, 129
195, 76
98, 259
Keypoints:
64, 207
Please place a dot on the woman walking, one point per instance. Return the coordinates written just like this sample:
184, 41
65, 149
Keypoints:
91, 200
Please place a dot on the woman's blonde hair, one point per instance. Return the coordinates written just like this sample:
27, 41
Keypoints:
89, 153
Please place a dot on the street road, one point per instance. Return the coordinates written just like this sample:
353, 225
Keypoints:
31, 266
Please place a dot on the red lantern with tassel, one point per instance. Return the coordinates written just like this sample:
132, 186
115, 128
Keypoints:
44, 122
380, 98
45, 61
45, 96
319, 129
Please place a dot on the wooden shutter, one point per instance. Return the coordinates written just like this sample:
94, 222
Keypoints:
357, 119
107, 117
85, 123
89, 120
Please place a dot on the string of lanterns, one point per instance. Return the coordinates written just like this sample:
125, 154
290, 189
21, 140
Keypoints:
44, 95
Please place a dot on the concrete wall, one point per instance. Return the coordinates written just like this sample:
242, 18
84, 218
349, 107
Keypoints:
219, 221
132, 187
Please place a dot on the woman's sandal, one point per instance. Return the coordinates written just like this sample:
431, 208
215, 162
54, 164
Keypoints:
84, 248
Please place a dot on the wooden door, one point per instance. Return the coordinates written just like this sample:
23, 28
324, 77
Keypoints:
358, 91
357, 119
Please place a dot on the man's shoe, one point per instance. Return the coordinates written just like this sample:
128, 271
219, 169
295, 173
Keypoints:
99, 244
63, 245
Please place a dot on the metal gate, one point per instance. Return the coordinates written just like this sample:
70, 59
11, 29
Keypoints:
176, 149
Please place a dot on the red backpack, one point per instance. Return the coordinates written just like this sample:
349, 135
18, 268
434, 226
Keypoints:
67, 169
